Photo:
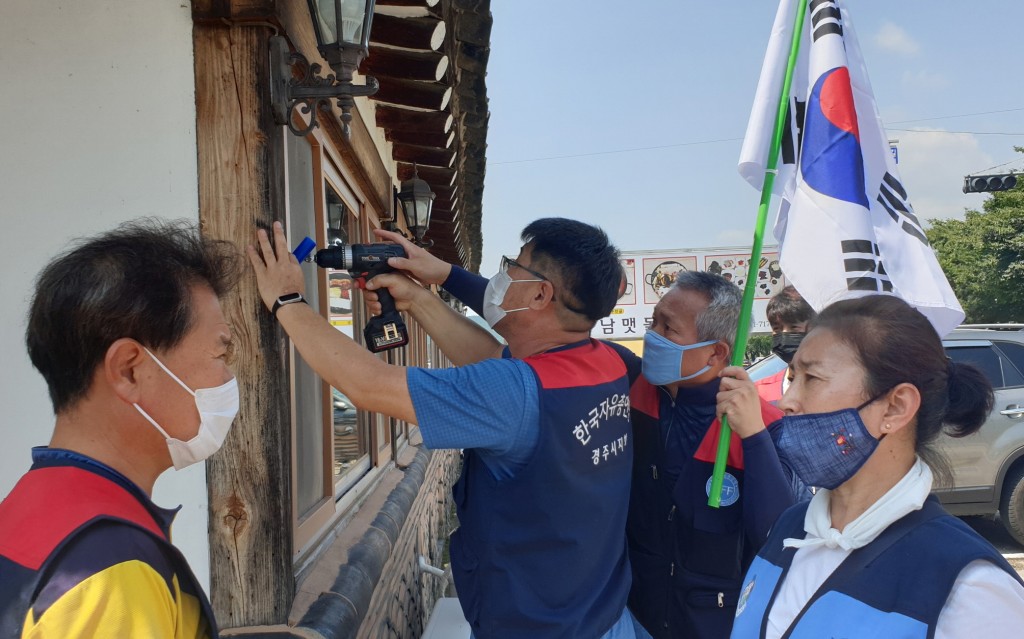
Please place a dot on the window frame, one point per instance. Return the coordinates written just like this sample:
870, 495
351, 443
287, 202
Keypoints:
386, 438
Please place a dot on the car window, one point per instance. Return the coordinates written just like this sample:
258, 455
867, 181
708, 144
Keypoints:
1015, 353
766, 367
984, 357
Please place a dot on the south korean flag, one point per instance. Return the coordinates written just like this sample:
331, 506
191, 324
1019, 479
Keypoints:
845, 226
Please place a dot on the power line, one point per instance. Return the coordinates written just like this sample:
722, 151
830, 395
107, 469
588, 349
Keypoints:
718, 141
960, 115
998, 165
631, 150
957, 132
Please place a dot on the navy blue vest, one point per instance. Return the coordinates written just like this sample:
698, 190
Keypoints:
895, 587
688, 559
544, 554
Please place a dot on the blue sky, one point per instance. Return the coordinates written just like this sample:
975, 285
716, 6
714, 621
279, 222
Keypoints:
596, 80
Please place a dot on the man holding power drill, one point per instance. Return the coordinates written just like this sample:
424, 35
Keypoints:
543, 497
688, 559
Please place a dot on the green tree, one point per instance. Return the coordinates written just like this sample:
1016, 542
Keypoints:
983, 257
758, 346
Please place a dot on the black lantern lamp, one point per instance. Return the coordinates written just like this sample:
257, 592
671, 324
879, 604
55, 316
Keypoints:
342, 29
417, 200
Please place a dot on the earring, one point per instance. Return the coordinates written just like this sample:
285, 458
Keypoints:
886, 427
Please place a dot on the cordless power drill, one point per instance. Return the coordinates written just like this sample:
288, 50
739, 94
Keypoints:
364, 262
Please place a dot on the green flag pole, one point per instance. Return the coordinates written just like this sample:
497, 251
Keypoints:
743, 331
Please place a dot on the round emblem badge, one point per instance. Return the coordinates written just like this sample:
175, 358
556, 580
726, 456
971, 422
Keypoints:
744, 596
730, 490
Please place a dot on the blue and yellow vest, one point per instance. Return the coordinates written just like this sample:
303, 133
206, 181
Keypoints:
65, 532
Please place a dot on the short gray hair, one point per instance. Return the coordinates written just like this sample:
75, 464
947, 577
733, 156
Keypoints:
719, 320
134, 281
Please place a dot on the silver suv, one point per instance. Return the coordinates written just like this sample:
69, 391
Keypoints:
988, 466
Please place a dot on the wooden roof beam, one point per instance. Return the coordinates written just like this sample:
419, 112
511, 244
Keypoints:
432, 96
388, 62
396, 118
407, 3
421, 138
408, 33
432, 174
423, 155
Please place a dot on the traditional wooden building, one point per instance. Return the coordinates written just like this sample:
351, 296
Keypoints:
316, 518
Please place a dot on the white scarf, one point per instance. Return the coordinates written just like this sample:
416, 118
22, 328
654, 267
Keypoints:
908, 495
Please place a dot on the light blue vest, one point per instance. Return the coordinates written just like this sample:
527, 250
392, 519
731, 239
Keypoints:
895, 587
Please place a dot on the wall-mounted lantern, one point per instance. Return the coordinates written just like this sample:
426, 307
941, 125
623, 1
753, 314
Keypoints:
417, 200
342, 29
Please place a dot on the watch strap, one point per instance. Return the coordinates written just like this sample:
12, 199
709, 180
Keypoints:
284, 300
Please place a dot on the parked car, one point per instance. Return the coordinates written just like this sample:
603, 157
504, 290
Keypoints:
988, 466
344, 411
766, 367
347, 442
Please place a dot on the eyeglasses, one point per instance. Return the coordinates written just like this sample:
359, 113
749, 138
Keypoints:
508, 261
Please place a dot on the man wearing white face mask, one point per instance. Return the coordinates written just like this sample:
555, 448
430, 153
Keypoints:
128, 332
544, 493
687, 558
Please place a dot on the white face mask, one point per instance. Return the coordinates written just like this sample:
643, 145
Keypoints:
217, 409
494, 296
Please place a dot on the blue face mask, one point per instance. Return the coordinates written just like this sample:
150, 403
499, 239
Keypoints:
663, 359
825, 449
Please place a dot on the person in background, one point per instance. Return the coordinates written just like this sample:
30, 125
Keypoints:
687, 558
788, 314
873, 554
127, 331
540, 550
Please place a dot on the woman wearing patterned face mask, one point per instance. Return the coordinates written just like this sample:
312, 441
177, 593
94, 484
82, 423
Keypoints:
872, 555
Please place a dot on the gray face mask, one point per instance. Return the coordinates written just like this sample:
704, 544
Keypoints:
494, 296
785, 344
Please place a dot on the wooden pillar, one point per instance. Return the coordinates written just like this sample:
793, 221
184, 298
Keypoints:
241, 187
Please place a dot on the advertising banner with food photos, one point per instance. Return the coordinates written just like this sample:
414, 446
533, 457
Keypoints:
650, 274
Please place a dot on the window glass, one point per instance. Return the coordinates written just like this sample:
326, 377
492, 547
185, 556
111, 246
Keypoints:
350, 433
1015, 353
308, 389
984, 357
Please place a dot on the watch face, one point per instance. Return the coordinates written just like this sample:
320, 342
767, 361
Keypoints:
289, 297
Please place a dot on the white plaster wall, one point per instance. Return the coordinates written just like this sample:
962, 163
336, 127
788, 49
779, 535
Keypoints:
97, 126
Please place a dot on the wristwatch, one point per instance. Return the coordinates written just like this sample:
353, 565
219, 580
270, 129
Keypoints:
287, 298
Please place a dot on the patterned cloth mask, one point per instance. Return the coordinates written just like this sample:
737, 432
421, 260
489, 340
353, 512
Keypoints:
826, 449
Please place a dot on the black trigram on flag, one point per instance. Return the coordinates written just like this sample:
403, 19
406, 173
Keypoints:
893, 197
863, 266
790, 146
825, 21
